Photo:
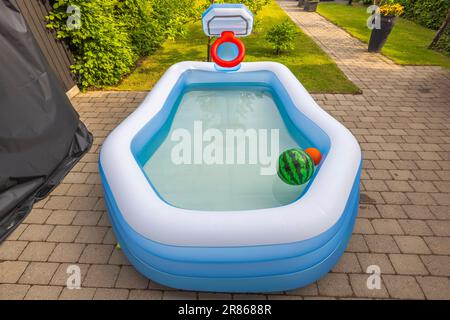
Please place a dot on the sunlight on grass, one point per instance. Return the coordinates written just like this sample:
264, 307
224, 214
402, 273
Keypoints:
407, 44
312, 66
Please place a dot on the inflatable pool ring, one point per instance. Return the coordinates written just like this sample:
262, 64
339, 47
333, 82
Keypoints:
295, 167
227, 37
314, 154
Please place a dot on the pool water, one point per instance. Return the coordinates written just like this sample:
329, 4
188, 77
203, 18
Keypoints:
196, 166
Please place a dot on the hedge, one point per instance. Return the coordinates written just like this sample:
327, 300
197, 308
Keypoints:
113, 34
428, 13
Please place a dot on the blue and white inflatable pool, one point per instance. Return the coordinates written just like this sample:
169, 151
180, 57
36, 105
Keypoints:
224, 227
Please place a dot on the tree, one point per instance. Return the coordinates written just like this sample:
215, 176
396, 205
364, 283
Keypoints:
441, 30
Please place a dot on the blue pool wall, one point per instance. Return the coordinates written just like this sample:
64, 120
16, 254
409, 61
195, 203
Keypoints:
261, 268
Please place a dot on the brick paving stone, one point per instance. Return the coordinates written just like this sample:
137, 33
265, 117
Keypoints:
361, 290
36, 232
310, 290
402, 287
149, 295
335, 284
110, 238
63, 272
391, 211
415, 227
366, 211
77, 294
440, 228
381, 243
37, 216
67, 252
438, 245
104, 221
11, 250
437, 265
179, 295
96, 253
408, 264
38, 273
441, 212
10, 271
61, 189
58, 202
386, 226
129, 278
118, 257
376, 259
83, 203
103, 276
79, 190
363, 226
37, 251
357, 244
17, 232
111, 294
395, 198
156, 286
87, 218
412, 244
61, 217
348, 263
418, 212
435, 288
90, 234
13, 291
76, 177
43, 293
217, 296
64, 234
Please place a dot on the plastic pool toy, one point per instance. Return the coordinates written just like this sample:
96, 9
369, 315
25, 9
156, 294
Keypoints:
193, 209
295, 167
314, 154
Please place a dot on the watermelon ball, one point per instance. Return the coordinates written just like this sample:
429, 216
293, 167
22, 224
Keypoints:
295, 167
315, 155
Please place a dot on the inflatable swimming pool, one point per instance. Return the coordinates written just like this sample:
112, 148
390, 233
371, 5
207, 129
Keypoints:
224, 226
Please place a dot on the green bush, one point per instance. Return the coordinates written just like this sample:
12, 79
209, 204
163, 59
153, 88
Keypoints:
429, 13
281, 36
114, 33
146, 34
101, 47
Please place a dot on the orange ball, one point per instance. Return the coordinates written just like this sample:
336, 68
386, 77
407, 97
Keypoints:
314, 154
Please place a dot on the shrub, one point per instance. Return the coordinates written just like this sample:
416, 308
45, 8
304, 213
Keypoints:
429, 13
282, 36
173, 15
101, 47
115, 33
146, 34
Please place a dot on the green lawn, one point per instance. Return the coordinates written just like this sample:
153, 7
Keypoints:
407, 44
312, 66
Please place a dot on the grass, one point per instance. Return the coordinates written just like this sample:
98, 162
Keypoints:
407, 44
312, 66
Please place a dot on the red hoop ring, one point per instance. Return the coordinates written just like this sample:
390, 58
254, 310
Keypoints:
227, 36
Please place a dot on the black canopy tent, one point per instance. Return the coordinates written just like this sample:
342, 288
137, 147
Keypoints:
41, 136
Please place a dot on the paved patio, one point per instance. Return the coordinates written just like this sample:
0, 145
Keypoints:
402, 121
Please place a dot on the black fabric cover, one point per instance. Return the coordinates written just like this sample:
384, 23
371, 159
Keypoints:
41, 136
